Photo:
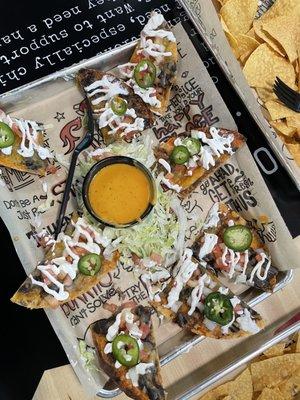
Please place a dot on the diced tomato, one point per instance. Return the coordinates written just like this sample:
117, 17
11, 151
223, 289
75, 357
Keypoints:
136, 259
156, 258
145, 328
179, 169
51, 169
79, 250
258, 257
169, 176
238, 307
144, 355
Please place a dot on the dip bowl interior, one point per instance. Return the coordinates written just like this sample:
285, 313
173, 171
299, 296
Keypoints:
108, 162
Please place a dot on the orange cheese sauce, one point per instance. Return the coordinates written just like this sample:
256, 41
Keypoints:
119, 193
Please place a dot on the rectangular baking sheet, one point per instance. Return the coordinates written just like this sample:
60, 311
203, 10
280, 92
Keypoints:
177, 342
205, 19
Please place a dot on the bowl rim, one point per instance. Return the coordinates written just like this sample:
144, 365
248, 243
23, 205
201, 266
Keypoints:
110, 161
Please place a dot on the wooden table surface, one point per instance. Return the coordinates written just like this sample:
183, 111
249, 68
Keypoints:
62, 384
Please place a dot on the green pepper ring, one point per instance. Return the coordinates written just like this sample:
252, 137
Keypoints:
148, 79
237, 237
180, 155
192, 144
118, 105
89, 264
7, 136
125, 345
218, 308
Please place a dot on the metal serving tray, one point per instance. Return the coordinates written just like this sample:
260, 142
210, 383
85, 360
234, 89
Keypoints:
41, 89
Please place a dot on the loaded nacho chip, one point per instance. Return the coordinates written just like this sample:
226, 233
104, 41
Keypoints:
21, 145
73, 264
121, 114
187, 159
229, 246
196, 301
151, 71
127, 351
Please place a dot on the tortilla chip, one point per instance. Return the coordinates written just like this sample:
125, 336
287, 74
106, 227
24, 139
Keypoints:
266, 94
291, 386
264, 64
276, 350
293, 120
231, 39
277, 110
273, 371
285, 29
280, 7
239, 15
271, 394
241, 388
282, 128
246, 45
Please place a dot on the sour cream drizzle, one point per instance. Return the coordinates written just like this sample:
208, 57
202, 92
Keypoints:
115, 122
108, 86
197, 292
140, 369
213, 218
210, 240
59, 265
214, 146
30, 135
185, 273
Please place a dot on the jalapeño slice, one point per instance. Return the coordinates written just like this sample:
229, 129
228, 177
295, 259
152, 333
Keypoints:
180, 155
145, 74
89, 264
218, 308
126, 350
192, 144
7, 136
237, 237
118, 105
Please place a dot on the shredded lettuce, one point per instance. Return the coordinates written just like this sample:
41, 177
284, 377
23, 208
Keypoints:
141, 149
159, 233
87, 354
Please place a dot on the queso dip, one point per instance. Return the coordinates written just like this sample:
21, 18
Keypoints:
120, 193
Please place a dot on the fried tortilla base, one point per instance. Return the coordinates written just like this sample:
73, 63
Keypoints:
164, 92
118, 375
86, 77
32, 165
194, 323
189, 183
33, 296
226, 215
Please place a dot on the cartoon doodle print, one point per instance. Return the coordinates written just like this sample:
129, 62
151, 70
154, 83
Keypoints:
66, 136
80, 108
265, 230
